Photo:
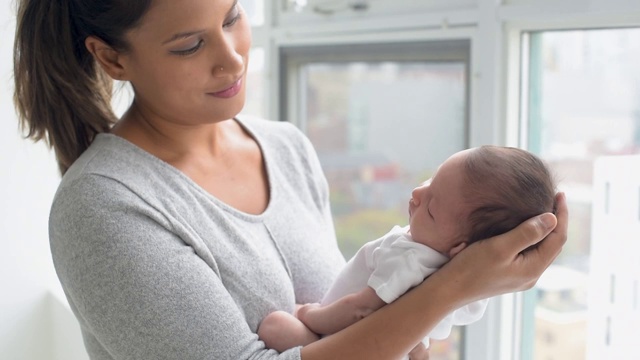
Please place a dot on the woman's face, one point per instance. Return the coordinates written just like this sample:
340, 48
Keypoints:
188, 60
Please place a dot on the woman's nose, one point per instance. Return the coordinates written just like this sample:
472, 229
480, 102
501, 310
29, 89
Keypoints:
227, 61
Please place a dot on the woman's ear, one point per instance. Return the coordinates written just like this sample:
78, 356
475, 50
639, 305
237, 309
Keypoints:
456, 249
109, 59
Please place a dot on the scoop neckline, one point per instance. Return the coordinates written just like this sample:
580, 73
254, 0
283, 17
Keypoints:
223, 205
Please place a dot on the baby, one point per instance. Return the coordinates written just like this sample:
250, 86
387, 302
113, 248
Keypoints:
475, 194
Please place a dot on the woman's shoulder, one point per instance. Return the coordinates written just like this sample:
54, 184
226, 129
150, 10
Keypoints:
272, 130
112, 164
283, 137
261, 123
112, 156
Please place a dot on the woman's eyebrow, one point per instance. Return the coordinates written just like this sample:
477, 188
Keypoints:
186, 34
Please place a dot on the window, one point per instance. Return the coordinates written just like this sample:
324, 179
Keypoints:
255, 11
255, 102
582, 115
382, 117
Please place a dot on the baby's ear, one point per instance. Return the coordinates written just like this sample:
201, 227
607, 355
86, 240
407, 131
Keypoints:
456, 249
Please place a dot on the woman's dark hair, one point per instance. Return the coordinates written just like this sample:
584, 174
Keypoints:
506, 186
61, 94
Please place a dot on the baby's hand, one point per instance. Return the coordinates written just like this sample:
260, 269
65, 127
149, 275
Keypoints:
302, 310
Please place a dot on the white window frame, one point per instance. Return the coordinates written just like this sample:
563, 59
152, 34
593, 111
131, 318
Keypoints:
346, 11
290, 81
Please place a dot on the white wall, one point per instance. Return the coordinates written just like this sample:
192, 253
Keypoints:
28, 179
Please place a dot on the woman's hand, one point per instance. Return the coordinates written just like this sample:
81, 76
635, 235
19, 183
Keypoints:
508, 262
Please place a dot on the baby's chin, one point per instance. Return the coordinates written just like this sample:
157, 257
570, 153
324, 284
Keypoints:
419, 240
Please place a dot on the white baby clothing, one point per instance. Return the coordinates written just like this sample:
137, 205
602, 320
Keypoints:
393, 264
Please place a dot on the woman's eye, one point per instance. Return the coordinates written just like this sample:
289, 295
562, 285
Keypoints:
234, 19
189, 51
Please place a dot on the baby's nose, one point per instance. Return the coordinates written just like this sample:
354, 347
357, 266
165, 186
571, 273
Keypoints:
415, 198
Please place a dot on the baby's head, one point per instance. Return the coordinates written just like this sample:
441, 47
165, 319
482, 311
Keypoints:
479, 193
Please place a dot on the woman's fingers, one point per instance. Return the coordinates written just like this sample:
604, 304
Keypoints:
529, 233
552, 244
535, 260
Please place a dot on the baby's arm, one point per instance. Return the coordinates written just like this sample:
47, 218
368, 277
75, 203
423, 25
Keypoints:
281, 331
340, 314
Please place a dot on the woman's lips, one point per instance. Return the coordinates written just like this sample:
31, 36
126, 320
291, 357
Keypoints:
231, 91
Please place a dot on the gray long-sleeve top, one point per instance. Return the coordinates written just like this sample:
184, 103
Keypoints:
154, 267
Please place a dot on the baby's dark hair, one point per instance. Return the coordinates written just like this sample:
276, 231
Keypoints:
505, 186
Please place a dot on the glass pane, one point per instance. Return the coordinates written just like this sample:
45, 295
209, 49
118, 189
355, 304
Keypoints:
255, 93
380, 129
584, 104
254, 10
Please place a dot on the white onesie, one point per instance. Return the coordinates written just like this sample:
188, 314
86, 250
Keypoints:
391, 266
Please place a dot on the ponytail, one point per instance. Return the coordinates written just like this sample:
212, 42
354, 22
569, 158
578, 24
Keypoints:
61, 95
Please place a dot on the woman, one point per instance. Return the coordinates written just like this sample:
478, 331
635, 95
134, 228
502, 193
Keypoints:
179, 226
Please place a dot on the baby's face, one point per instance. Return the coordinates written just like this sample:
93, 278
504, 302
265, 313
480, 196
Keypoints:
437, 209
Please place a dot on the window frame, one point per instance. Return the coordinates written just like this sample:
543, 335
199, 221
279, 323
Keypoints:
294, 56
342, 11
